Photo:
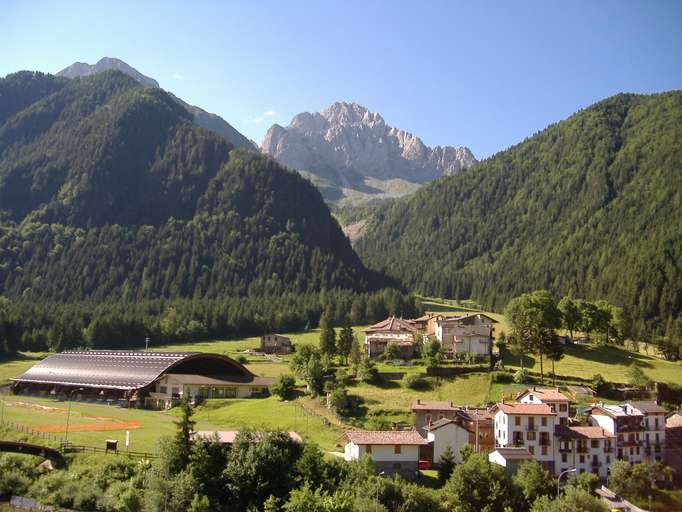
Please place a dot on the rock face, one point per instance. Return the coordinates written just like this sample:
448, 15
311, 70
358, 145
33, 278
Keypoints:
202, 118
348, 146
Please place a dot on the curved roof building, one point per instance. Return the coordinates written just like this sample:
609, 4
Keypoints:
159, 375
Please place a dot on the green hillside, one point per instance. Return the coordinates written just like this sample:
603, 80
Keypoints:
591, 206
109, 192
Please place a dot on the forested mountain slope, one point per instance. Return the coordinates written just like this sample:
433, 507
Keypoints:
591, 206
109, 192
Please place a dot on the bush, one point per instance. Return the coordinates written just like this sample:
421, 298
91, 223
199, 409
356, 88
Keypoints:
241, 359
391, 351
521, 376
502, 377
416, 381
284, 387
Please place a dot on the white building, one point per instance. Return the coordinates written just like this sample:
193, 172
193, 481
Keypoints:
391, 451
526, 425
557, 401
653, 440
510, 458
446, 433
587, 449
627, 426
175, 386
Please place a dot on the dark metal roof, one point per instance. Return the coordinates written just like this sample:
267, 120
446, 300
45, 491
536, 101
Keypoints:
117, 369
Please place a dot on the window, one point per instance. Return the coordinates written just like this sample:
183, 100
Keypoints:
517, 420
656, 424
544, 421
564, 457
530, 436
544, 450
368, 448
608, 459
582, 459
563, 407
594, 443
163, 389
397, 449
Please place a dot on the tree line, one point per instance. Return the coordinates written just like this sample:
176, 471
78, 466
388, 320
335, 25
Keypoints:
30, 326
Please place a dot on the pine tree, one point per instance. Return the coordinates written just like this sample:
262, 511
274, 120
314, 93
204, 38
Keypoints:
327, 335
345, 345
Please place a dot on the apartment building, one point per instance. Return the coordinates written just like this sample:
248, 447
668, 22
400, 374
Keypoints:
588, 449
627, 427
527, 425
653, 435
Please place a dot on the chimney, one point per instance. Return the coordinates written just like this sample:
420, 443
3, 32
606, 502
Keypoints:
418, 401
533, 388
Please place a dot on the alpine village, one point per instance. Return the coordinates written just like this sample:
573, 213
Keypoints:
340, 318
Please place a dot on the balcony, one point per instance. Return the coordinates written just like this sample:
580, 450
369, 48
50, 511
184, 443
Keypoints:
582, 449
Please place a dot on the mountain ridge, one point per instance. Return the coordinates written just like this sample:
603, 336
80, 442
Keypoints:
348, 148
109, 191
205, 119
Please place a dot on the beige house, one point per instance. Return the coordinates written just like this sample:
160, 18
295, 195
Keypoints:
276, 344
467, 334
391, 451
396, 330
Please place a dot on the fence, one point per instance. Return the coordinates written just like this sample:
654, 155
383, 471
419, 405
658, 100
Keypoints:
48, 436
74, 448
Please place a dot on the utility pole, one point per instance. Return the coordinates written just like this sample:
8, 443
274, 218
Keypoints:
146, 343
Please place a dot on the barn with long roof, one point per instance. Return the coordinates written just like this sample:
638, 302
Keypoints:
153, 379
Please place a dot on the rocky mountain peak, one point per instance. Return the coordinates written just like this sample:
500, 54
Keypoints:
352, 149
105, 64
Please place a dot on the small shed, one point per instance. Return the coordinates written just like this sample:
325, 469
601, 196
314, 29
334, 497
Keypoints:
510, 457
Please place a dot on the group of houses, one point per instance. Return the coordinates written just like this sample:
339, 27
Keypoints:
470, 333
538, 425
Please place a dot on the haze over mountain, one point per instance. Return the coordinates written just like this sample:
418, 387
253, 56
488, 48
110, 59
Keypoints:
354, 156
204, 119
109, 191
590, 206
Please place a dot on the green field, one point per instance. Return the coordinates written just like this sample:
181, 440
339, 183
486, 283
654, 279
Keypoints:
611, 362
384, 403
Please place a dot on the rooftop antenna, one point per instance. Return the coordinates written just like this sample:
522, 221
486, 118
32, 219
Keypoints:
146, 343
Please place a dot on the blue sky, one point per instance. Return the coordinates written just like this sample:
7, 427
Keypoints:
481, 74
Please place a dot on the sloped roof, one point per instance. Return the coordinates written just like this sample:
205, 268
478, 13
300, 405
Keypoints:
585, 432
392, 323
441, 423
514, 452
228, 436
525, 409
549, 394
647, 406
459, 318
422, 405
119, 369
407, 437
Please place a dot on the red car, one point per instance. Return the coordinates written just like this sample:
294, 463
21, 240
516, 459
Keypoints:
424, 464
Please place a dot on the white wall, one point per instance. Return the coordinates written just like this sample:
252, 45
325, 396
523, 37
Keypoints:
382, 452
451, 435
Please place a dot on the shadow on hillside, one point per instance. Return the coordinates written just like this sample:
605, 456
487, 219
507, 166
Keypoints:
610, 355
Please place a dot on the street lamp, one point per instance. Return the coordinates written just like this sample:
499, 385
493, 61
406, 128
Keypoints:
377, 497
68, 415
558, 482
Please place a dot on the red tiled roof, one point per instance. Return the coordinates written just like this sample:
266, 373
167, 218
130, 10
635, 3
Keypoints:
585, 432
526, 409
392, 324
421, 405
407, 437
550, 394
